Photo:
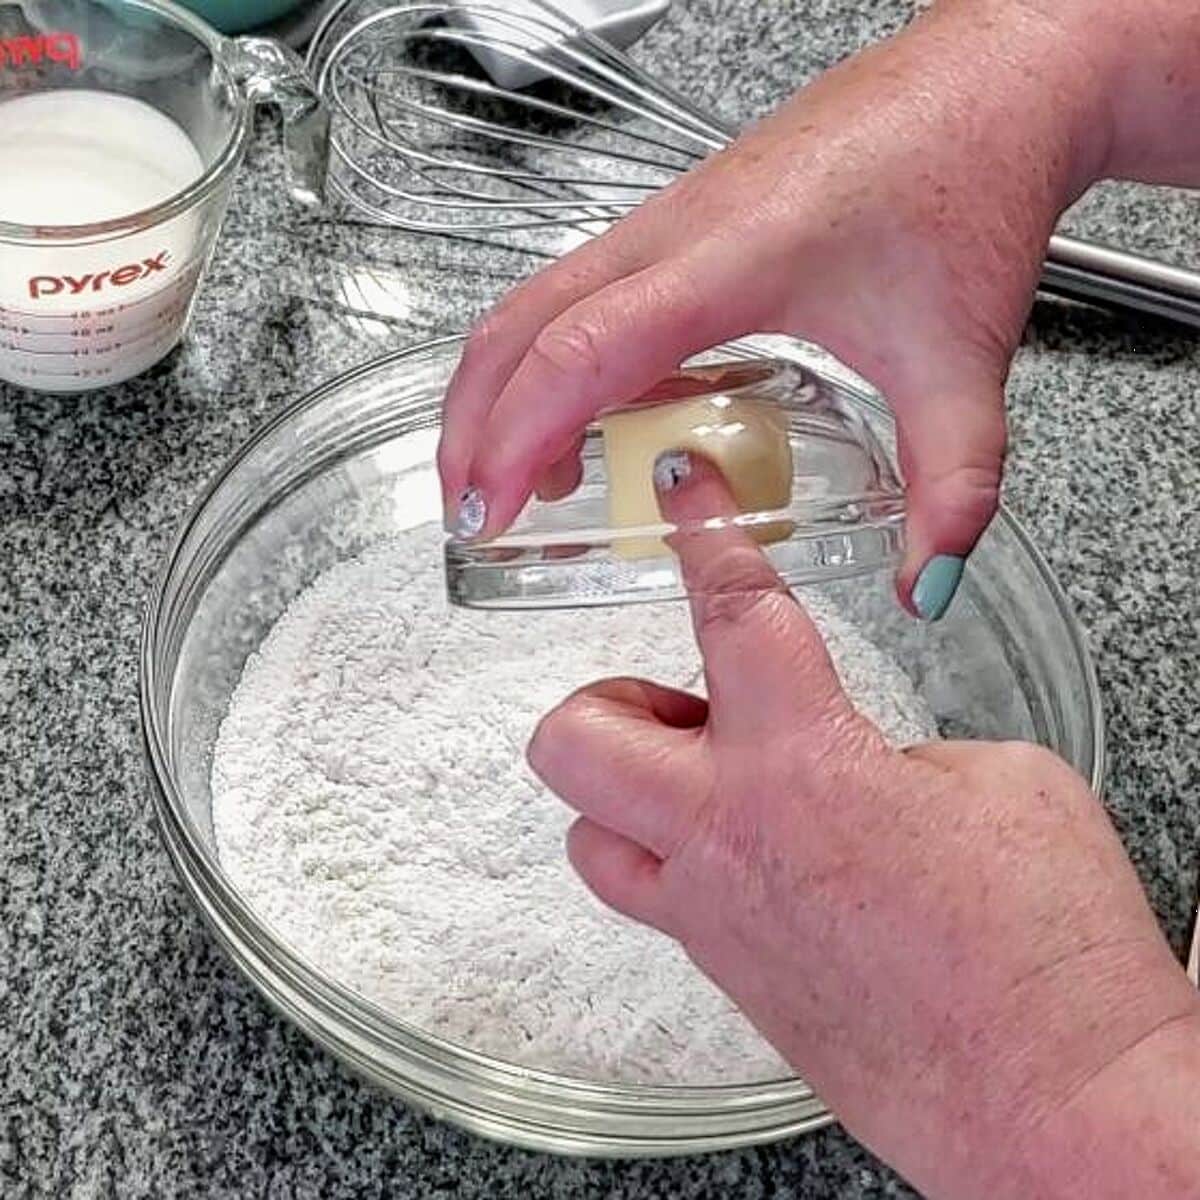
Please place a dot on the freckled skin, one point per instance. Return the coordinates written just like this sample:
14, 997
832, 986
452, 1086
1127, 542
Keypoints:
948, 942
852, 217
897, 211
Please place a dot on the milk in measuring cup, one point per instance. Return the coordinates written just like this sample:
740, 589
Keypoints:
75, 316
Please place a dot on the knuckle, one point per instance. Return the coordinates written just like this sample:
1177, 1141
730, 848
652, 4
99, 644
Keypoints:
677, 292
978, 484
736, 581
569, 348
486, 334
450, 458
941, 755
1027, 759
1010, 764
987, 763
733, 567
969, 493
974, 502
737, 602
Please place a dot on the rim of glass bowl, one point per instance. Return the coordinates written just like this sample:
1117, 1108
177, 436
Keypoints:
536, 1109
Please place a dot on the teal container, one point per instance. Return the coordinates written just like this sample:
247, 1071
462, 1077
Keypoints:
237, 16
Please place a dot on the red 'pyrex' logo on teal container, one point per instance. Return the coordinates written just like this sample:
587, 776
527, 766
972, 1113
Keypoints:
60, 48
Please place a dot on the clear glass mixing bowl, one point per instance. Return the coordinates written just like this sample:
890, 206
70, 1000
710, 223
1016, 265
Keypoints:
354, 462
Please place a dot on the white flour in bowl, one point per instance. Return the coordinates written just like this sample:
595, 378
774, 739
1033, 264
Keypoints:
371, 800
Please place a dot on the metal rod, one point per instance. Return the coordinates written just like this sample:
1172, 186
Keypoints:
1079, 270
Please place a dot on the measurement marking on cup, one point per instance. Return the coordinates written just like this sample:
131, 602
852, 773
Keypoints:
74, 344
175, 289
60, 48
31, 342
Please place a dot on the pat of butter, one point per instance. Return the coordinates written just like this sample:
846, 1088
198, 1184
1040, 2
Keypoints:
746, 439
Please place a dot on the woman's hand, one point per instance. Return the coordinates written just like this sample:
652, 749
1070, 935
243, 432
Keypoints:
897, 212
948, 942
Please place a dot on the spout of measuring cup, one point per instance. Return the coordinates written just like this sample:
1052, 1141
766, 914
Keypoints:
271, 73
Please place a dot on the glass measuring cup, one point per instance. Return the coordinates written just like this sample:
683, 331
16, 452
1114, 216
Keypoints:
87, 305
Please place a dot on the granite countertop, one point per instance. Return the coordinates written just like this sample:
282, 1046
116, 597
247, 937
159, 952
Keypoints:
134, 1060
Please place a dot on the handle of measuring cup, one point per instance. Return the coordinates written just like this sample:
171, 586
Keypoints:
271, 73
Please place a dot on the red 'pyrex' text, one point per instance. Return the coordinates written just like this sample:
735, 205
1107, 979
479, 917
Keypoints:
61, 48
77, 285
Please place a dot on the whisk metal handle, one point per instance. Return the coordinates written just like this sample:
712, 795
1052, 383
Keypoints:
1095, 274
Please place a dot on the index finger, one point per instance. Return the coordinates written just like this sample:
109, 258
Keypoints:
501, 340
763, 657
604, 351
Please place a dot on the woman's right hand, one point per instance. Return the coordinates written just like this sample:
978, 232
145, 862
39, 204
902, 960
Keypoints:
948, 942
897, 212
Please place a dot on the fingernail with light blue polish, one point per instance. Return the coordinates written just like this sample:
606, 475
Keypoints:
936, 585
472, 513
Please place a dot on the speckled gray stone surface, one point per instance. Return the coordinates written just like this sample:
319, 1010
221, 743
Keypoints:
134, 1060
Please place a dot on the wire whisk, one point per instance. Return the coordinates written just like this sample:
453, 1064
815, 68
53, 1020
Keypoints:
425, 141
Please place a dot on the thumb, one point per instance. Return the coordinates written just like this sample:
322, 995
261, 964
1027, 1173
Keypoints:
765, 662
952, 457
623, 753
